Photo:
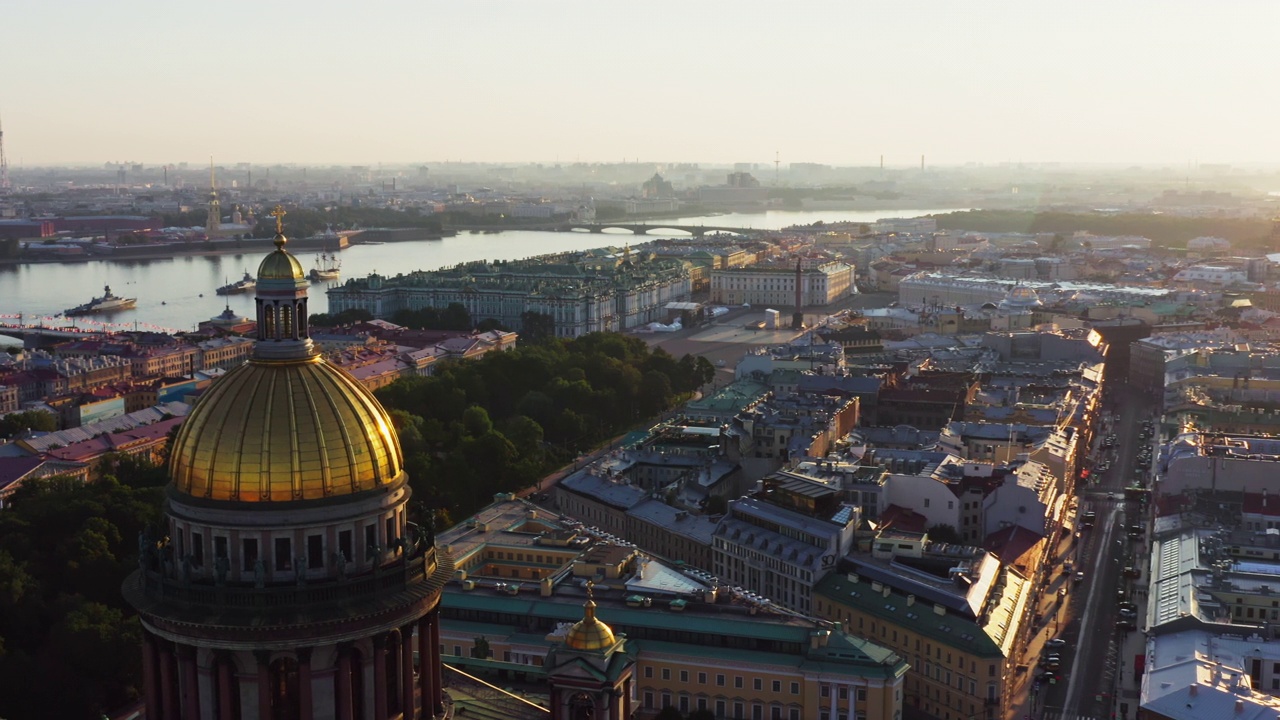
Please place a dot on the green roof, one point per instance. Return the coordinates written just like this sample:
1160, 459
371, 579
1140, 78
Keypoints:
841, 653
948, 629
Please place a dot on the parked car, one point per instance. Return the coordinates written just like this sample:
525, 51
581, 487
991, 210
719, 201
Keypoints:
1056, 643
1079, 577
1132, 572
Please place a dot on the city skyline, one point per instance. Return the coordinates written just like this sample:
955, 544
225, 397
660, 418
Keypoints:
988, 82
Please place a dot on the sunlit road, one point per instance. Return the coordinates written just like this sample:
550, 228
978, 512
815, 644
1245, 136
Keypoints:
1089, 663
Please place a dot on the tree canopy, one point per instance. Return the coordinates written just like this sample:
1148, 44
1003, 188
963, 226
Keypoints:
14, 423
501, 422
68, 644
1166, 230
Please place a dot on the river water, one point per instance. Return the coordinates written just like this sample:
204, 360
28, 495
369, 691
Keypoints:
175, 294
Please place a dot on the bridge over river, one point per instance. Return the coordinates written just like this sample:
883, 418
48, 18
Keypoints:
656, 228
647, 228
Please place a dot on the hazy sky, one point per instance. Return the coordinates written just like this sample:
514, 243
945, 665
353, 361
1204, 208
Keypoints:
697, 80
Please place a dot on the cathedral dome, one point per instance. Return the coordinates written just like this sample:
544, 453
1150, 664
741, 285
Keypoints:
1020, 298
280, 431
590, 633
280, 265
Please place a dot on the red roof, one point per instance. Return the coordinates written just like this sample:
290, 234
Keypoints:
896, 517
1011, 543
111, 442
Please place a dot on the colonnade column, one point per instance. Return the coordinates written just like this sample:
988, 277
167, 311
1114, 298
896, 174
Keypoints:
406, 672
344, 684
380, 677
226, 711
835, 701
437, 685
305, 702
853, 702
168, 699
426, 660
264, 683
150, 673
190, 686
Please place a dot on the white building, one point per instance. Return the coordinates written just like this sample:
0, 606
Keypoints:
775, 285
1219, 275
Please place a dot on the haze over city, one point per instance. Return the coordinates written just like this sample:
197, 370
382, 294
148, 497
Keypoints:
839, 83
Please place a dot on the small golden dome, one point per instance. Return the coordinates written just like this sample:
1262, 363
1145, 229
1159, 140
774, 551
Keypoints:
590, 633
280, 265
279, 431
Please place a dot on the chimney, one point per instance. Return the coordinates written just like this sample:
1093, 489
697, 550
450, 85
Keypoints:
886, 591
1194, 689
1239, 706
911, 600
939, 609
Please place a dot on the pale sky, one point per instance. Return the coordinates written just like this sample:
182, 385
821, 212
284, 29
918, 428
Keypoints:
701, 81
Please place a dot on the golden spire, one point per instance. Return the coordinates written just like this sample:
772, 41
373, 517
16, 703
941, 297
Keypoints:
279, 214
590, 605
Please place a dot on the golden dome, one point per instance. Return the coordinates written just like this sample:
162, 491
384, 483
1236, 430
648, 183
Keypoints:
590, 633
280, 265
278, 431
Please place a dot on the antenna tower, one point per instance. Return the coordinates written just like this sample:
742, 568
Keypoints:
777, 163
4, 165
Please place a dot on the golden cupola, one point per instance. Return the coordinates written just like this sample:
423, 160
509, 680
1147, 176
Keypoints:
286, 426
590, 633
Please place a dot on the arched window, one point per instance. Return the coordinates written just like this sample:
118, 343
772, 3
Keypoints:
268, 318
286, 322
285, 703
582, 707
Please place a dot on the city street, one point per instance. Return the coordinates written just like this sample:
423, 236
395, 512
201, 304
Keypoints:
1094, 658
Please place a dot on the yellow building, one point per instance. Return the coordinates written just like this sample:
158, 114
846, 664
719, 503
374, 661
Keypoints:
962, 662
694, 646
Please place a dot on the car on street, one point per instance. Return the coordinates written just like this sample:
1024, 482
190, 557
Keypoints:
1128, 606
1126, 625
1056, 643
1128, 614
1131, 572
1079, 577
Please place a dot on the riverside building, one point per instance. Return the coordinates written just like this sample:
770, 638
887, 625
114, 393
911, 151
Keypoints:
581, 292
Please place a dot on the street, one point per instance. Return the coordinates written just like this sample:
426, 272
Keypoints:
1094, 658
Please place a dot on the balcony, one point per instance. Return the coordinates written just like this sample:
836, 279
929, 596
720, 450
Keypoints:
420, 572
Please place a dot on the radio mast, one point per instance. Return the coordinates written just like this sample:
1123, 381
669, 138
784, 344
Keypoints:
4, 165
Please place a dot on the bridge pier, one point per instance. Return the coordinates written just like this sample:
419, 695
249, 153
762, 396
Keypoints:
640, 230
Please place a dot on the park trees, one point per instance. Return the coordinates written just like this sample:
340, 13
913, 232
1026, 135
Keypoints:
500, 422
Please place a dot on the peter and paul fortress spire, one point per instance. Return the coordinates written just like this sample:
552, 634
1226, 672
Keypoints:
213, 222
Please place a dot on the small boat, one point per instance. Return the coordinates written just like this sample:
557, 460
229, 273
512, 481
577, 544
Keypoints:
328, 267
244, 285
638, 601
106, 303
677, 605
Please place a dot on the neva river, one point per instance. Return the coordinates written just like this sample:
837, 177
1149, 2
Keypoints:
176, 294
